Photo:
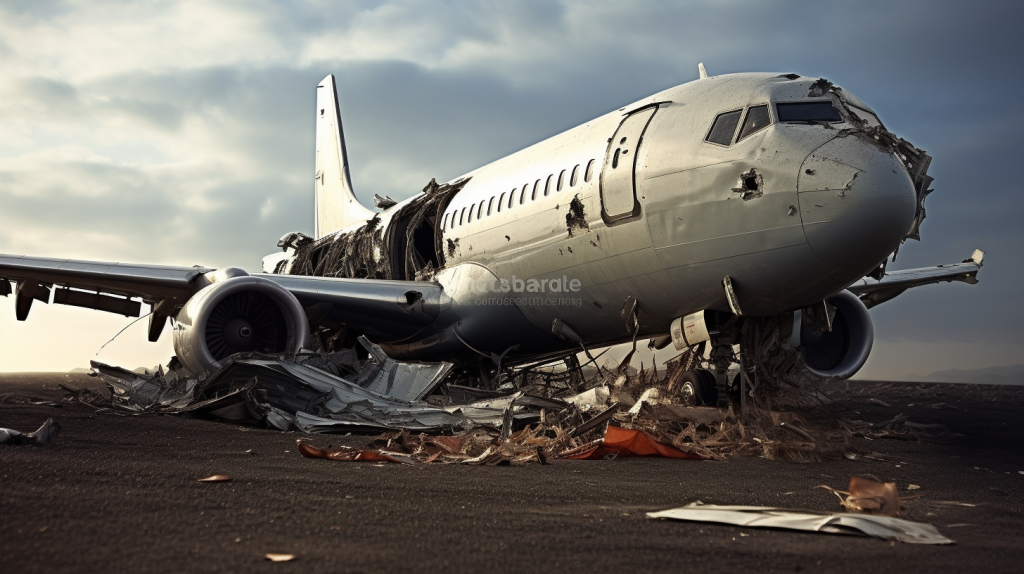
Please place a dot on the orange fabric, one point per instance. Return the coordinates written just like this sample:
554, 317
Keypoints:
626, 442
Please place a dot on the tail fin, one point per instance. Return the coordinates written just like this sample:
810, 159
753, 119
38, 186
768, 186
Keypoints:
336, 204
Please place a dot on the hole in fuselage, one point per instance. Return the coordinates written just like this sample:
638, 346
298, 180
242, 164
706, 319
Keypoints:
750, 183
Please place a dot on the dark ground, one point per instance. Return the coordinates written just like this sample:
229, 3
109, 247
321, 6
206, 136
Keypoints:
119, 493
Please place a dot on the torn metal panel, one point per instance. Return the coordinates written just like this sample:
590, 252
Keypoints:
576, 219
383, 202
751, 185
133, 392
297, 392
402, 242
870, 128
403, 381
884, 527
42, 436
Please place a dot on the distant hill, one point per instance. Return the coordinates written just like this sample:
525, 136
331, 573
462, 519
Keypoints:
1009, 375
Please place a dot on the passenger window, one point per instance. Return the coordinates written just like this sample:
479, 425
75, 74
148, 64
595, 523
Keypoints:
522, 195
590, 171
444, 223
808, 112
536, 187
501, 201
547, 185
462, 215
575, 176
561, 180
470, 218
490, 204
511, 198
724, 127
480, 209
757, 120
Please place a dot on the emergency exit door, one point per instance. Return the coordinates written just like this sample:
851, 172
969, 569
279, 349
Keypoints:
618, 175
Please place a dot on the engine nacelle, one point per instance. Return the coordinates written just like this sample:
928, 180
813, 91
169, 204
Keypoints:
843, 350
238, 313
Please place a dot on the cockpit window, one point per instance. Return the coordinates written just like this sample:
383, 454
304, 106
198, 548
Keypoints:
757, 119
723, 128
808, 112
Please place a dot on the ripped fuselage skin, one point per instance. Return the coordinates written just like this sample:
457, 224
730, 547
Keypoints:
641, 204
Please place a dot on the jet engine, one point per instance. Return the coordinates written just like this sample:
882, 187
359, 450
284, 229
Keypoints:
836, 337
237, 313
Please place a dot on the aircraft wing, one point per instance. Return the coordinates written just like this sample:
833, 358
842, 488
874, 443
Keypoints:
36, 276
395, 308
875, 291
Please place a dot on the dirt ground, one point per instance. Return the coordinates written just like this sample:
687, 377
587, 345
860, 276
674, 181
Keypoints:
120, 493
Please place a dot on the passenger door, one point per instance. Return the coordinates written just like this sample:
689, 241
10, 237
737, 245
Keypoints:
618, 175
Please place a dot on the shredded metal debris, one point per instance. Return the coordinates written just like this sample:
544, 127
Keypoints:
430, 412
43, 436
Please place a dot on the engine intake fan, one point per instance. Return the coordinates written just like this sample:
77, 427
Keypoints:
238, 313
836, 339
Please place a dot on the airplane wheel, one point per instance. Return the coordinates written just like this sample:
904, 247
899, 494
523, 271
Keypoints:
699, 388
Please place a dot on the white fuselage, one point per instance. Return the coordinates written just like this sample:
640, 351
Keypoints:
829, 206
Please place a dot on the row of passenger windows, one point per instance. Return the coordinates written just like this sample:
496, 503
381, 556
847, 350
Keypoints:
759, 117
520, 195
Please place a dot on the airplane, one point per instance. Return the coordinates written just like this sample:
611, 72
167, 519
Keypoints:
750, 209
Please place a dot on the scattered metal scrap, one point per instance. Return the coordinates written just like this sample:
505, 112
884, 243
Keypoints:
43, 436
482, 446
885, 527
533, 413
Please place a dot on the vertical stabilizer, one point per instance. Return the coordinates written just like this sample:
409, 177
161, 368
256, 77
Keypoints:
336, 204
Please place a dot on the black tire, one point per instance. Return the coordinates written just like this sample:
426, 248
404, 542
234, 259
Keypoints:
699, 388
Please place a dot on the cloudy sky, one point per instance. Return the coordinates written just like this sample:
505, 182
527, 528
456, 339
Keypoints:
181, 132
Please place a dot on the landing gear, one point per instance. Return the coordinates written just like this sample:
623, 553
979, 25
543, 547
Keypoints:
699, 388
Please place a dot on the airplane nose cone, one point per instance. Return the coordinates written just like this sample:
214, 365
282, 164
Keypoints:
857, 202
